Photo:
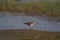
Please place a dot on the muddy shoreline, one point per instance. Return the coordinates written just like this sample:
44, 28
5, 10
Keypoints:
23, 34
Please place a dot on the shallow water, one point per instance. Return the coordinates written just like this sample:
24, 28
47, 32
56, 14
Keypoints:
17, 22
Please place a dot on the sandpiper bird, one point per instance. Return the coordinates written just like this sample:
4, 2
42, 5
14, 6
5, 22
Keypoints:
30, 24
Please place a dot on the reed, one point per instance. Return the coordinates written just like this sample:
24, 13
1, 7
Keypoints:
51, 9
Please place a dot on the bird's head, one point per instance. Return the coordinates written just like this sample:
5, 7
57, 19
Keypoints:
35, 23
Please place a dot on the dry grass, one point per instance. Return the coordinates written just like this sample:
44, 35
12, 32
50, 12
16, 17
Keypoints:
51, 9
23, 34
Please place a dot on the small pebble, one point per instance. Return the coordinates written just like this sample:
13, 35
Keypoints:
36, 37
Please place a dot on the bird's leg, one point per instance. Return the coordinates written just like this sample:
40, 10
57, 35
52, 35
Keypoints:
30, 28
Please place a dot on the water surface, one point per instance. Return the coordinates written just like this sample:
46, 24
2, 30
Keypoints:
17, 22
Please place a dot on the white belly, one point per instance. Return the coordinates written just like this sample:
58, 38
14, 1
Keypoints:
32, 25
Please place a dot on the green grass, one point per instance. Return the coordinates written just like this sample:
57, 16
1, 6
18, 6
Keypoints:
24, 34
51, 9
